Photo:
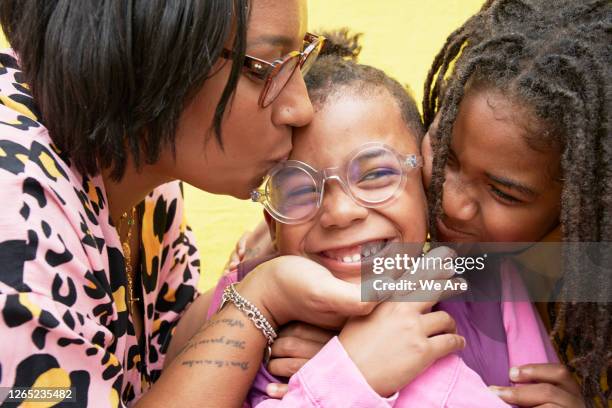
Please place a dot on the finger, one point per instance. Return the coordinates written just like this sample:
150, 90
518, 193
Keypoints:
531, 395
431, 292
295, 347
234, 258
241, 245
419, 301
444, 344
276, 390
341, 298
230, 266
427, 292
557, 374
227, 268
332, 321
437, 323
261, 230
549, 405
285, 367
307, 332
453, 287
377, 289
435, 265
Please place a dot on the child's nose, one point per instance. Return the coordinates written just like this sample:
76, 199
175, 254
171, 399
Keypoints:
338, 209
457, 199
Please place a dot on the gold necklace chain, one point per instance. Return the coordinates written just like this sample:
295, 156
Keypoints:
127, 254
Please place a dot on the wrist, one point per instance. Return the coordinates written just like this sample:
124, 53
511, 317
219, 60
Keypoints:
355, 352
252, 291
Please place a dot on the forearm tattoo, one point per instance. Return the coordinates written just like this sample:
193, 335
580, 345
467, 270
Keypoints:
224, 341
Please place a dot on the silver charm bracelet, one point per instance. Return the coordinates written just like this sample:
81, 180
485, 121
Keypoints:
252, 312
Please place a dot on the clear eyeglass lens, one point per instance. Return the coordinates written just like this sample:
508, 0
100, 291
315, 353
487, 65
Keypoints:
292, 193
374, 175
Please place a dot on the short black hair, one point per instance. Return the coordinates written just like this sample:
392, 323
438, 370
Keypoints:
111, 76
337, 70
551, 57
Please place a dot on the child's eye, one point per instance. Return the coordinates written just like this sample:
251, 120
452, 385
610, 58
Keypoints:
300, 196
301, 192
503, 196
378, 178
378, 173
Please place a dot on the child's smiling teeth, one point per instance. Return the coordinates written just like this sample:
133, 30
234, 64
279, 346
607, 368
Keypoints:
354, 253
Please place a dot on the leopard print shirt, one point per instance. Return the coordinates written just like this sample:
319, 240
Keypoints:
63, 320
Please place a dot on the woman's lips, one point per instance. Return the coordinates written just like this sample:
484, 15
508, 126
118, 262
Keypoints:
450, 233
282, 157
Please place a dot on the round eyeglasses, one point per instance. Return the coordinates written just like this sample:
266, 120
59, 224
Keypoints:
277, 74
292, 191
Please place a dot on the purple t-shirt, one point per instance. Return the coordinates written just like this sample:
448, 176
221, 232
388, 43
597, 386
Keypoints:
479, 318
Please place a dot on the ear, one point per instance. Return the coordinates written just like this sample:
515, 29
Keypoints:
427, 153
271, 228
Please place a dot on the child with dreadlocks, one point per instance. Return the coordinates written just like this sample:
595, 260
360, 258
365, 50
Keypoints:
364, 141
522, 151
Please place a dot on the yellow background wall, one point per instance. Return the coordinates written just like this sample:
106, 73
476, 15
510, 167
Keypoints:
400, 37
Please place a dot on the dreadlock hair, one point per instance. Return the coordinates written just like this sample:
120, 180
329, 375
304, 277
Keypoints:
108, 77
551, 57
337, 72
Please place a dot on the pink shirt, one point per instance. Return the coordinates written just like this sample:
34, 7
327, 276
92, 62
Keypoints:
331, 379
